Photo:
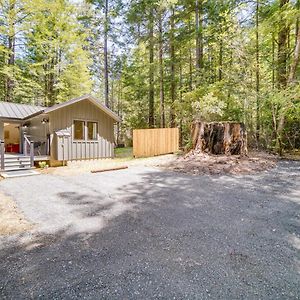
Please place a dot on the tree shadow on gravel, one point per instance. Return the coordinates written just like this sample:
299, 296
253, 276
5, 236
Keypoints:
178, 236
86, 205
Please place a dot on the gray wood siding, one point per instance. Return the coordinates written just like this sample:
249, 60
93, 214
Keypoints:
37, 130
38, 133
63, 118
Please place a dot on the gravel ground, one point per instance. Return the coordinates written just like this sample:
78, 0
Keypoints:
144, 233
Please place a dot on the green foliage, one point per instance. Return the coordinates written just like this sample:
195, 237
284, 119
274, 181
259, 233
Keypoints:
225, 87
57, 51
211, 60
43, 165
51, 63
125, 152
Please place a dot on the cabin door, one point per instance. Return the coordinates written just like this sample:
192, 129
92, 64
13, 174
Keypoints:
12, 137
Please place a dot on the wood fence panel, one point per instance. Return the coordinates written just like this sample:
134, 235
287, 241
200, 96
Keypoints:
152, 142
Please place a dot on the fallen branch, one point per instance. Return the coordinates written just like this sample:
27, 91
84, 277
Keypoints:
109, 169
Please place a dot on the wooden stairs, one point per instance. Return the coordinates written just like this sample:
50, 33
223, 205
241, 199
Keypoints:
17, 165
16, 162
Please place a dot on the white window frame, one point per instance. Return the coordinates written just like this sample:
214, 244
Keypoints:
85, 130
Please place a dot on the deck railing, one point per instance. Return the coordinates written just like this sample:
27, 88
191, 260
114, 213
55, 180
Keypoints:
2, 151
29, 149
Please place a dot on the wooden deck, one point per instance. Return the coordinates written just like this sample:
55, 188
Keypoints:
41, 157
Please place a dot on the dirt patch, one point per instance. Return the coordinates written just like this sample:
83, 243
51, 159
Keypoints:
78, 167
191, 163
292, 155
12, 221
202, 163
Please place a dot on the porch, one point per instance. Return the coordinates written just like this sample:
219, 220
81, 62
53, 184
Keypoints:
19, 161
22, 143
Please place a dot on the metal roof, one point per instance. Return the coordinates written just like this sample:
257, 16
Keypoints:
10, 110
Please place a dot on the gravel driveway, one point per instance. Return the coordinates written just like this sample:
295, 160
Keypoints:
144, 233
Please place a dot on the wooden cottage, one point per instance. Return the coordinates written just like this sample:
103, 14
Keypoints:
78, 129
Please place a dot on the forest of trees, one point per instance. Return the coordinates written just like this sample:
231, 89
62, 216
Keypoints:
160, 63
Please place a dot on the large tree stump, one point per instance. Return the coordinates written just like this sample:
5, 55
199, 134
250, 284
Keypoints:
228, 138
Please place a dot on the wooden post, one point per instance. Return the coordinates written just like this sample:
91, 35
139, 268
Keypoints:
2, 151
31, 154
25, 152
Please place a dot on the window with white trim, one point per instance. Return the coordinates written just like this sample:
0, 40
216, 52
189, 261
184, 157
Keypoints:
79, 130
92, 130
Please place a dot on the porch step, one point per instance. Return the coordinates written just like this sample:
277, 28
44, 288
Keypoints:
19, 173
17, 167
14, 163
17, 158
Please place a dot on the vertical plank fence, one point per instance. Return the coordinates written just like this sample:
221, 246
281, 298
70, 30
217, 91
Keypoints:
152, 142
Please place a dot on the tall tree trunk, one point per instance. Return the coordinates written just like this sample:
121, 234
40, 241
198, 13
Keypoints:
11, 51
297, 21
172, 58
51, 84
211, 65
111, 104
51, 89
220, 60
290, 81
273, 60
106, 71
190, 64
190, 69
199, 36
282, 49
11, 63
257, 71
119, 111
151, 69
45, 69
295, 62
180, 97
274, 106
161, 72
180, 75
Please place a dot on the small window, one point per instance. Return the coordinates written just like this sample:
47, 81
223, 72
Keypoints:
78, 130
92, 128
